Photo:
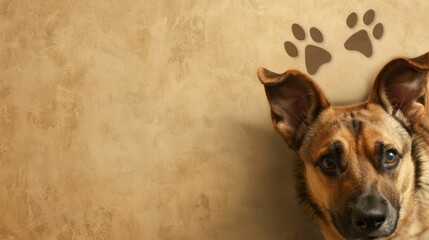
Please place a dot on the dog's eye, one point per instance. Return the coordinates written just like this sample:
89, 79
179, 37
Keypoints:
391, 158
328, 165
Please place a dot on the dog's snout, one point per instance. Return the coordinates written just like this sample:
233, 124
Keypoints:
369, 213
368, 221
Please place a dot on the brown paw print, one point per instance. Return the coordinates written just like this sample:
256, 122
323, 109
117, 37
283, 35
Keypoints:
360, 41
314, 56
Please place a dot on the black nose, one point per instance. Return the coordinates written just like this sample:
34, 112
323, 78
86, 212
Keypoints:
369, 213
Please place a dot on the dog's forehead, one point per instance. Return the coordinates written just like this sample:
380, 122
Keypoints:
354, 117
350, 119
364, 112
347, 124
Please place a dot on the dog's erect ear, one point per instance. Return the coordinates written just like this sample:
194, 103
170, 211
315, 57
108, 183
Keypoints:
295, 102
401, 88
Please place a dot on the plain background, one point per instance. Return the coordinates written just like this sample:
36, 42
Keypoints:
145, 120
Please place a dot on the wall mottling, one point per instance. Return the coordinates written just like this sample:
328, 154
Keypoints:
145, 120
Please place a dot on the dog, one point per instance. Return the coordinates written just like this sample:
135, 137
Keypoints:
363, 169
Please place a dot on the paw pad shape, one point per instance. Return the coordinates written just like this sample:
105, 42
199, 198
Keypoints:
360, 41
314, 56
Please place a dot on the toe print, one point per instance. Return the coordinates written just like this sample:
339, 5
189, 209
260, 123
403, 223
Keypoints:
315, 56
298, 32
361, 40
291, 49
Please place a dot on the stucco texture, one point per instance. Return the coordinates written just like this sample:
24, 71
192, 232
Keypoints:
145, 119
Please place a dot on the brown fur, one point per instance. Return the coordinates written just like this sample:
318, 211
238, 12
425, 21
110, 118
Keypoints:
394, 117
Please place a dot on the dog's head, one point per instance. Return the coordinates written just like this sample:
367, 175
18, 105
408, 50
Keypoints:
357, 159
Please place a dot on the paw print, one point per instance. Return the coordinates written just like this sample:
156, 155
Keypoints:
360, 41
314, 56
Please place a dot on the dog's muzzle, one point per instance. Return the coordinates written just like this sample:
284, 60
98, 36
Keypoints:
366, 217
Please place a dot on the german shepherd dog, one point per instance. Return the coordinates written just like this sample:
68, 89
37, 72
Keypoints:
363, 169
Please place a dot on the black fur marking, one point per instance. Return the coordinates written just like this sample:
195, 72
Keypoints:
424, 128
416, 146
355, 126
337, 147
302, 193
301, 134
417, 164
277, 118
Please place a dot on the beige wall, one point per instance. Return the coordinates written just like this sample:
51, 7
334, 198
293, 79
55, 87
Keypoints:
145, 119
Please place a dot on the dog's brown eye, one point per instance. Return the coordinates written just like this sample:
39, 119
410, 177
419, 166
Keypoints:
328, 163
391, 157
329, 166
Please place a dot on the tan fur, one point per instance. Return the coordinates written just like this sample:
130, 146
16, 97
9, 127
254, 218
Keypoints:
302, 115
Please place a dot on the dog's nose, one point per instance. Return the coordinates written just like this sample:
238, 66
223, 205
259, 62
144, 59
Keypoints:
369, 213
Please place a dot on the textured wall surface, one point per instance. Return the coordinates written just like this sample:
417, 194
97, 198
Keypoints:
145, 120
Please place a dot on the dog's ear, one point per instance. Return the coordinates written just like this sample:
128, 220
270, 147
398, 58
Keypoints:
401, 88
295, 102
